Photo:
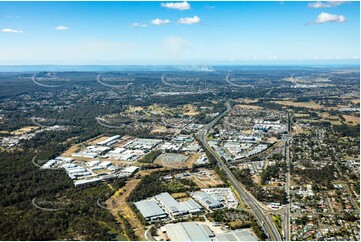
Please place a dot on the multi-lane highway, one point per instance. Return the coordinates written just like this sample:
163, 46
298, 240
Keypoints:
286, 218
268, 225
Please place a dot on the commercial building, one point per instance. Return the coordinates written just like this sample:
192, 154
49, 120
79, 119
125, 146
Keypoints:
171, 147
130, 170
100, 150
150, 210
206, 200
170, 205
192, 148
207, 230
109, 141
86, 181
143, 144
257, 149
50, 164
237, 235
93, 163
105, 164
187, 231
85, 155
192, 206
64, 159
223, 195
183, 138
202, 160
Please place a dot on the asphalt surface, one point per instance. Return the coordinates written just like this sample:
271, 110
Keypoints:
267, 224
286, 219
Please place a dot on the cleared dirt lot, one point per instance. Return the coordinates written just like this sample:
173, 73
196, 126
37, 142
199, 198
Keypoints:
298, 129
172, 160
352, 119
205, 178
192, 159
191, 111
355, 101
71, 150
179, 195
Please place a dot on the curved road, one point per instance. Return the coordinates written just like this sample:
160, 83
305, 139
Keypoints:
268, 225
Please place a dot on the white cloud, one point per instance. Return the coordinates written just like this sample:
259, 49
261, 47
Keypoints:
61, 28
180, 5
176, 47
139, 25
194, 20
158, 21
11, 31
328, 4
326, 17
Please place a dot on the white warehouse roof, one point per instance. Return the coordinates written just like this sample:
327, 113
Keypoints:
171, 205
150, 209
238, 235
187, 231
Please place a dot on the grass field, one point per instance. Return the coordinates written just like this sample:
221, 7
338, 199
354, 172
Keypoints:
25, 130
277, 219
118, 203
310, 105
247, 106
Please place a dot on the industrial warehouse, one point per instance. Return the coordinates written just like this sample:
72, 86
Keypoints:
201, 231
89, 172
130, 151
164, 207
162, 204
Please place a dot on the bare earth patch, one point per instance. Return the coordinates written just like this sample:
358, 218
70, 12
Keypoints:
352, 119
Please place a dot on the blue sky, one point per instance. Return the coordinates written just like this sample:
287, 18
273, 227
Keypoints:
188, 33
